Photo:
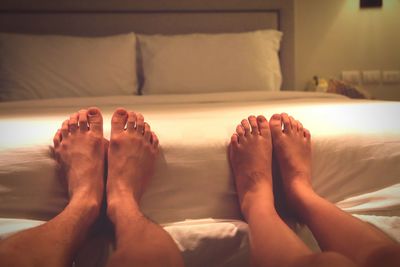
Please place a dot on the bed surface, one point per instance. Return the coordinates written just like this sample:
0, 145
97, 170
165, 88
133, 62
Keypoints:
194, 132
356, 157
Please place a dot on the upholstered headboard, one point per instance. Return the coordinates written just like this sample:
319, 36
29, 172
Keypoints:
104, 17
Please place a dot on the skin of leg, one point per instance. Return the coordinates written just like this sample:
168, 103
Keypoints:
334, 229
272, 242
131, 158
79, 148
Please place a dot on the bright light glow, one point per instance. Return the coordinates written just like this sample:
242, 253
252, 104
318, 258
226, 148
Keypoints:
188, 126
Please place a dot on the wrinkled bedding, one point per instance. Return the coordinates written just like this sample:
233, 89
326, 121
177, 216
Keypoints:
356, 164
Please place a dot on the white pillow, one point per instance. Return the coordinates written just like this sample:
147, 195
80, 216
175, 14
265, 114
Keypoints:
48, 66
197, 63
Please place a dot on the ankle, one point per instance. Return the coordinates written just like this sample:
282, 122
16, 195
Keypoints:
122, 188
87, 206
301, 199
121, 203
88, 195
298, 188
255, 202
264, 210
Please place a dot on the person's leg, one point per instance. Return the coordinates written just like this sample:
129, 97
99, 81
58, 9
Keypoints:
334, 229
131, 157
80, 150
272, 242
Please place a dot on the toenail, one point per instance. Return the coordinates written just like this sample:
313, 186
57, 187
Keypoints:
276, 116
260, 119
121, 112
93, 112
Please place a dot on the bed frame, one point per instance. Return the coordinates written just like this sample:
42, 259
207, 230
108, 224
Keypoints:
105, 17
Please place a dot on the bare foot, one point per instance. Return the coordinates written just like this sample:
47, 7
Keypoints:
292, 147
80, 149
251, 160
131, 157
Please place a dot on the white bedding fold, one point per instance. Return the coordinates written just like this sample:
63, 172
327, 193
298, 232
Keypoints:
387, 199
388, 224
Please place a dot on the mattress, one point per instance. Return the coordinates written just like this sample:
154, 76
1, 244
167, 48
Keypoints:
356, 164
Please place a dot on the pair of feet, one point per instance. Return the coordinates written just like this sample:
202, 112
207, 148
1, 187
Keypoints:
82, 152
251, 150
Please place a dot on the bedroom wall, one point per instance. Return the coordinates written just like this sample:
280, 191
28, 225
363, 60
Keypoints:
336, 35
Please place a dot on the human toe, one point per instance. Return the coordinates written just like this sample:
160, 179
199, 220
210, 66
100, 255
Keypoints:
293, 124
65, 129
147, 132
246, 126
275, 124
263, 125
154, 140
118, 121
287, 127
253, 124
240, 130
235, 140
300, 126
307, 134
83, 120
139, 123
131, 122
57, 139
73, 122
95, 120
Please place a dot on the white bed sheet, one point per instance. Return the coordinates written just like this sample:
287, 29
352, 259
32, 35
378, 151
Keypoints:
356, 151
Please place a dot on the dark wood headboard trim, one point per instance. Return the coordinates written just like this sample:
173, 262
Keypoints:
143, 5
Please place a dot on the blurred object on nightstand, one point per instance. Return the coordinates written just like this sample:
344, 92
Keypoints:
317, 84
346, 89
